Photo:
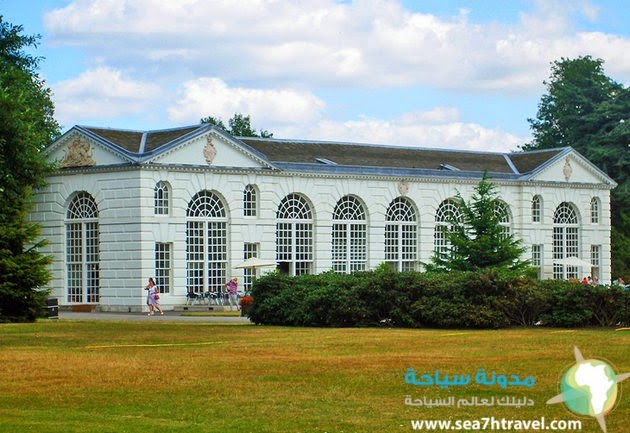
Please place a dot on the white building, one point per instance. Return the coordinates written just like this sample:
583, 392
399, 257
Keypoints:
187, 205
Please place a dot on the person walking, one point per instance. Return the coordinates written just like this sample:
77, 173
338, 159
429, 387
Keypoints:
232, 288
153, 297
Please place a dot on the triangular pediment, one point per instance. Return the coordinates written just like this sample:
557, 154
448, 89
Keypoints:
198, 145
76, 149
571, 167
212, 148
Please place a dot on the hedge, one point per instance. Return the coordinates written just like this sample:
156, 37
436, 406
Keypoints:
480, 300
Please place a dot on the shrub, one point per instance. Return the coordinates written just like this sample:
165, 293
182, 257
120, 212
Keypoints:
569, 304
524, 301
485, 299
271, 306
609, 305
461, 300
387, 296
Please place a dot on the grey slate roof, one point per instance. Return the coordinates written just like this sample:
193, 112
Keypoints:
410, 158
139, 143
336, 157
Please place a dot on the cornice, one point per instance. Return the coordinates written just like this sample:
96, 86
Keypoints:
326, 175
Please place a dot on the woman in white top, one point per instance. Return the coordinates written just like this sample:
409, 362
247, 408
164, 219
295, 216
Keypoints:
152, 297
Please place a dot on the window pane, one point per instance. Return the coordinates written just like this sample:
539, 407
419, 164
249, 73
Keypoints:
82, 250
161, 198
163, 266
401, 245
294, 235
206, 243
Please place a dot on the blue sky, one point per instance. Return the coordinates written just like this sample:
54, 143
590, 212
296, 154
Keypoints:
429, 73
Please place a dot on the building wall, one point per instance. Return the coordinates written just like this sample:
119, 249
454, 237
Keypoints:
117, 196
129, 228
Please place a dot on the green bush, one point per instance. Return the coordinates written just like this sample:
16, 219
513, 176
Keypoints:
461, 300
609, 305
569, 306
576, 305
487, 299
524, 301
387, 296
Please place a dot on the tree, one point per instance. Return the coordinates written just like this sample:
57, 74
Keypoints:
214, 121
240, 126
26, 127
590, 112
478, 239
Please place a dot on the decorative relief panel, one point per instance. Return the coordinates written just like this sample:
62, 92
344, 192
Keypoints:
209, 151
403, 187
567, 170
78, 154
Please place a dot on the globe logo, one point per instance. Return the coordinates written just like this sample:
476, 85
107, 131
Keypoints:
589, 388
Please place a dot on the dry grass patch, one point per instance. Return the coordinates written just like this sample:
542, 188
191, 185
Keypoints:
89, 376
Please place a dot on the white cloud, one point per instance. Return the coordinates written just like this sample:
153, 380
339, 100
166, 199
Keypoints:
272, 59
300, 115
102, 93
212, 97
324, 42
433, 129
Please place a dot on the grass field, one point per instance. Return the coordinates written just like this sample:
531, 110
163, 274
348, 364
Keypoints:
101, 376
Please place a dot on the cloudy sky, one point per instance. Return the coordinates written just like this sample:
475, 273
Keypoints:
462, 74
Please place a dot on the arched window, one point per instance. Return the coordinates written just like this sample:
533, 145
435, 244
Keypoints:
401, 238
349, 236
502, 212
250, 201
161, 198
536, 209
294, 235
446, 213
82, 250
565, 240
595, 210
206, 243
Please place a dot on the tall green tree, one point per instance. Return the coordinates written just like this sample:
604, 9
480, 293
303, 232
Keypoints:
26, 127
240, 126
585, 109
477, 237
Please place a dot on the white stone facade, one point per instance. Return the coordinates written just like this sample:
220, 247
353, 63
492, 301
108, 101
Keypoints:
133, 240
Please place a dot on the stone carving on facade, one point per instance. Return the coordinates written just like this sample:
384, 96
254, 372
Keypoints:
403, 187
78, 154
209, 151
567, 170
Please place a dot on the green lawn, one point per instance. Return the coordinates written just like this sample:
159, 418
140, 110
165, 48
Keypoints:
100, 376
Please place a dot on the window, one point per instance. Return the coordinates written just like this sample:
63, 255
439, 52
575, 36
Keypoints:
294, 235
82, 250
401, 239
249, 274
565, 240
206, 243
349, 236
502, 212
536, 209
596, 260
447, 212
250, 201
537, 258
595, 210
161, 203
163, 254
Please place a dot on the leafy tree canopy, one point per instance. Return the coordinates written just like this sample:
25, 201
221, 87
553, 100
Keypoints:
476, 236
26, 127
239, 126
585, 109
